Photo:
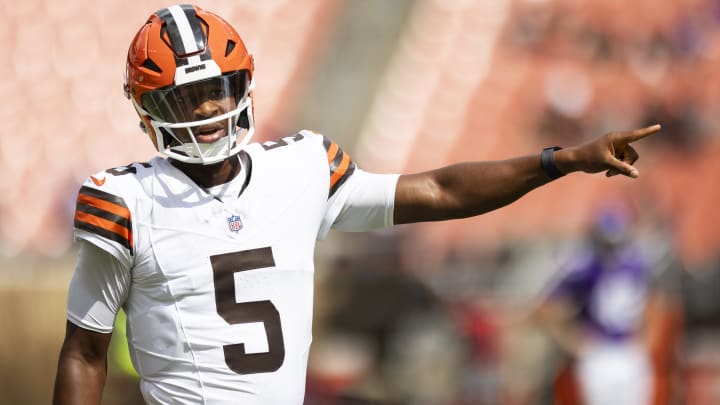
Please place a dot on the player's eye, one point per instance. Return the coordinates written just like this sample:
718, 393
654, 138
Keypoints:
215, 94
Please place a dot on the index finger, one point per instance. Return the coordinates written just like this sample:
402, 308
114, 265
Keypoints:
637, 134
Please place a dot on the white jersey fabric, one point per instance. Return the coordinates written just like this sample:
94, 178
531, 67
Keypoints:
218, 284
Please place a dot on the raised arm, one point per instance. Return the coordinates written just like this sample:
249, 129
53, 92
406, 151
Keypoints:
473, 188
82, 367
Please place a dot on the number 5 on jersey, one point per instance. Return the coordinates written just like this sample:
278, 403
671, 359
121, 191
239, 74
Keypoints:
224, 267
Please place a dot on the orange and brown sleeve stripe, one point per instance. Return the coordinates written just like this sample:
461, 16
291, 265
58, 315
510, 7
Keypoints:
104, 214
341, 166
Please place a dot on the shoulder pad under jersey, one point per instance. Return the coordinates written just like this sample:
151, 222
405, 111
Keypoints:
340, 165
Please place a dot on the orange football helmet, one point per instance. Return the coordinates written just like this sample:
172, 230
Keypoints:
182, 57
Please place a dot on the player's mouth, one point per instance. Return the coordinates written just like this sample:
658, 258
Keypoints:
209, 133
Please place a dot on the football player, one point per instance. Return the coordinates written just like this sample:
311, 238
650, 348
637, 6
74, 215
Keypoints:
595, 312
209, 248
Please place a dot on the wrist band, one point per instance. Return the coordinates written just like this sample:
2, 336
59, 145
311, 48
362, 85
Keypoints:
547, 163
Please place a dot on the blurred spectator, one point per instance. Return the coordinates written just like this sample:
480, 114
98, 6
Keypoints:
701, 360
386, 339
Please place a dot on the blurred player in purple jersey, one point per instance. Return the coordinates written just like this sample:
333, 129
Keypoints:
595, 312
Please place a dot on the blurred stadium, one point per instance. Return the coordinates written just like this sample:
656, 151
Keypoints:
421, 314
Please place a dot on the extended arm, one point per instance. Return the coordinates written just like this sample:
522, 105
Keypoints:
82, 367
473, 188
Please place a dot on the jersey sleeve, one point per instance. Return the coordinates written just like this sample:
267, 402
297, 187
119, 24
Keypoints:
357, 200
98, 289
104, 218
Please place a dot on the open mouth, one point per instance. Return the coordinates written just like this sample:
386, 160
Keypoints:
209, 134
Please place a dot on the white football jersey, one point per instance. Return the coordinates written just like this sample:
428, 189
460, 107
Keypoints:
219, 291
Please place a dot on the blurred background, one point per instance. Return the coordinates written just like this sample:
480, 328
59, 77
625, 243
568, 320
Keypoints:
447, 313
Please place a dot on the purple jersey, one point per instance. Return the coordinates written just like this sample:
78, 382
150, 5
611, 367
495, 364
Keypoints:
609, 289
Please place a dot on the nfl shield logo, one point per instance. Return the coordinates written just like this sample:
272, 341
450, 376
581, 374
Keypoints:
234, 223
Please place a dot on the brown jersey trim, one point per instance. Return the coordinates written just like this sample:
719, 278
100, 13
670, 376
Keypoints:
108, 207
98, 195
105, 215
100, 213
340, 164
245, 160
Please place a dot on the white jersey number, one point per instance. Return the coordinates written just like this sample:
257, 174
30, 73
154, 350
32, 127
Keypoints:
224, 267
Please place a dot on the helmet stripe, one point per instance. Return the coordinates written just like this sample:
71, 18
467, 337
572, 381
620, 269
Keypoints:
184, 31
188, 29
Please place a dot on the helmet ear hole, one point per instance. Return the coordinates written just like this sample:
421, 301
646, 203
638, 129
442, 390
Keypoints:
243, 120
143, 127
